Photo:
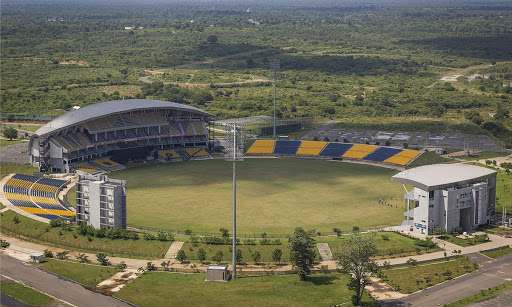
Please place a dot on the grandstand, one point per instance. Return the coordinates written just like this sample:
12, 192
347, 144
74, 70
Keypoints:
37, 195
333, 150
119, 130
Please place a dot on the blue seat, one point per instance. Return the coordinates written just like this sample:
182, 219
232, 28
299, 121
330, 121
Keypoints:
286, 147
382, 154
335, 150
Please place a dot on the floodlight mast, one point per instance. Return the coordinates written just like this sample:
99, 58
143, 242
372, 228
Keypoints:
233, 243
274, 65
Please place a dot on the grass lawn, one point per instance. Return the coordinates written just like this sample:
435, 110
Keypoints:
71, 197
274, 195
88, 275
503, 192
4, 142
24, 294
464, 242
500, 231
164, 289
498, 252
428, 158
8, 168
42, 232
484, 295
409, 279
18, 126
388, 244
247, 251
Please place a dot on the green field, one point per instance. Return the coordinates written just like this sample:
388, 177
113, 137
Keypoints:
274, 195
86, 274
163, 289
24, 294
498, 252
247, 251
411, 278
8, 168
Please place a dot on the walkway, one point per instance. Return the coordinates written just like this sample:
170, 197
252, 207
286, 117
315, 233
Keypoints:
174, 249
48, 283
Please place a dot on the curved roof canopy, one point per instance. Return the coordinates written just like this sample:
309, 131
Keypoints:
439, 176
103, 109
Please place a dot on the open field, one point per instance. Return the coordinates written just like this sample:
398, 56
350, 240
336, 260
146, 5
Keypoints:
409, 279
160, 289
24, 294
388, 244
36, 231
274, 195
86, 274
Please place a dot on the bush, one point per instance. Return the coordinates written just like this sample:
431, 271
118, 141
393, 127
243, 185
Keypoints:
62, 255
4, 244
355, 228
201, 255
412, 262
218, 256
57, 222
121, 265
181, 256
150, 266
102, 259
48, 253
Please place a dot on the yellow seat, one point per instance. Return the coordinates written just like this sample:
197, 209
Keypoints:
310, 148
404, 157
359, 151
262, 147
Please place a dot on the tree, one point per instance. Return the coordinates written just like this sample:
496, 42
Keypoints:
256, 256
239, 257
277, 254
181, 256
218, 256
150, 266
102, 259
355, 259
224, 232
10, 133
165, 265
62, 255
201, 255
82, 258
302, 252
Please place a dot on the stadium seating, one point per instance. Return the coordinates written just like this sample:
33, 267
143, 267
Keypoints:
286, 147
359, 151
37, 195
405, 157
310, 148
382, 153
335, 150
261, 147
371, 153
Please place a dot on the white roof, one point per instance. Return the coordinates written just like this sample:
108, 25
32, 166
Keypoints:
436, 176
217, 267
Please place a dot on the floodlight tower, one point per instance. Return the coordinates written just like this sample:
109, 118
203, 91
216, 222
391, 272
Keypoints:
274, 66
234, 147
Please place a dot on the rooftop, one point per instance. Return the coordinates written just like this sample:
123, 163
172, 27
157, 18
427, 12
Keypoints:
102, 109
438, 176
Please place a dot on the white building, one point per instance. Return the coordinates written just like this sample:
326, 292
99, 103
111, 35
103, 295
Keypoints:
449, 197
101, 201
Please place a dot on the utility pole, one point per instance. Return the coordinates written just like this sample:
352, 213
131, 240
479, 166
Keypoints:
233, 243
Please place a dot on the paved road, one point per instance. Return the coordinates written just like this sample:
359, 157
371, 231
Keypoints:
62, 289
491, 274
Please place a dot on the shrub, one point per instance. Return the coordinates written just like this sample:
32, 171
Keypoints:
181, 256
150, 266
355, 228
102, 259
218, 256
412, 262
385, 237
201, 255
277, 255
4, 244
121, 265
48, 253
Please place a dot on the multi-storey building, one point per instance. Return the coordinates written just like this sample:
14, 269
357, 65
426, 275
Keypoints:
449, 197
101, 201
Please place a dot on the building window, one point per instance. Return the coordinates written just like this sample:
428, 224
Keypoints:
431, 195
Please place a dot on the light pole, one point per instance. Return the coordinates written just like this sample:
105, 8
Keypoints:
274, 65
234, 152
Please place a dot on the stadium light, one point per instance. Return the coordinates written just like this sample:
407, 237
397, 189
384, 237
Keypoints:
234, 151
274, 66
